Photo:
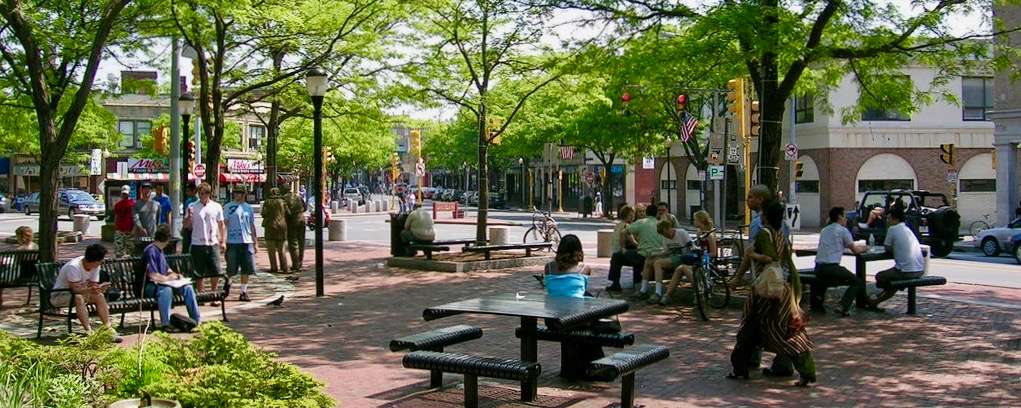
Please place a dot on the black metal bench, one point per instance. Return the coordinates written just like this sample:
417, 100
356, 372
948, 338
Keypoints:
182, 264
428, 249
816, 290
571, 364
488, 249
464, 242
436, 340
625, 364
17, 270
473, 367
911, 284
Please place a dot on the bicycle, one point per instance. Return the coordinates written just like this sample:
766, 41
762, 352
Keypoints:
709, 279
544, 227
977, 226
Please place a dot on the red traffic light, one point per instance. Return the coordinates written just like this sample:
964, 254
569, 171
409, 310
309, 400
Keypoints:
682, 101
625, 98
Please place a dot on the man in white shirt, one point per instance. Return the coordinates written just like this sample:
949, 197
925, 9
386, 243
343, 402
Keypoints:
418, 226
674, 240
80, 278
208, 236
907, 255
833, 240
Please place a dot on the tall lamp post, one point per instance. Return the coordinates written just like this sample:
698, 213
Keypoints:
316, 83
184, 106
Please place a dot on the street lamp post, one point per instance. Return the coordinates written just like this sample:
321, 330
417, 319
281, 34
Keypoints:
316, 83
522, 180
184, 105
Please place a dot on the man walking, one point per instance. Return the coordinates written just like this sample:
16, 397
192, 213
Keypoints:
295, 208
146, 212
186, 227
833, 240
165, 206
242, 240
124, 223
208, 236
274, 226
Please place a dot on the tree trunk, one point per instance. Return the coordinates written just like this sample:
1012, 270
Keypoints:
49, 174
483, 176
213, 149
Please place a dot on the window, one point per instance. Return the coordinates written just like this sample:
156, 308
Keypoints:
976, 97
877, 106
804, 109
806, 186
978, 185
255, 135
667, 184
694, 185
884, 185
132, 132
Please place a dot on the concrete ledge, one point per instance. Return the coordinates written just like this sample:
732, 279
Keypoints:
420, 263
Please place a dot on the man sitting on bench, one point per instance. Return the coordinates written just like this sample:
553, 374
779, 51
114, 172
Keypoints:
907, 255
418, 227
81, 276
832, 241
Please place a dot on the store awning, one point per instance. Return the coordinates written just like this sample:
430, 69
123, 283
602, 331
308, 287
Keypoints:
242, 178
153, 177
286, 178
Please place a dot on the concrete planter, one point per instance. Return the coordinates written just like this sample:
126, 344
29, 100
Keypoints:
155, 403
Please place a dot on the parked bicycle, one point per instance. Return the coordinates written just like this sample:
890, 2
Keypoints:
710, 276
979, 225
544, 229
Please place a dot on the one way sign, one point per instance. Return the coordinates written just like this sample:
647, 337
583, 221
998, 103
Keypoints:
793, 217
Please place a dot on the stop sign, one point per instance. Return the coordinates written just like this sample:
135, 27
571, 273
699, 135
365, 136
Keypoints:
199, 170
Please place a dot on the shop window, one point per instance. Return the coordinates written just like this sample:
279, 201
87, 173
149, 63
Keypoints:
806, 186
667, 184
885, 185
978, 185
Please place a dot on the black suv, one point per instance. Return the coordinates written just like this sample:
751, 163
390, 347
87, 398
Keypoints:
929, 215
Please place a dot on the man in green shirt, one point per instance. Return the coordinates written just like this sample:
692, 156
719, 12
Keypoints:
649, 243
295, 208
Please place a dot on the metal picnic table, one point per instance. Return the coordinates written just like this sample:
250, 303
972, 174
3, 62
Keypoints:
860, 266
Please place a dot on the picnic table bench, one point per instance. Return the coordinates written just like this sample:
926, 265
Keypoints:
428, 247
488, 249
625, 364
571, 366
436, 340
17, 270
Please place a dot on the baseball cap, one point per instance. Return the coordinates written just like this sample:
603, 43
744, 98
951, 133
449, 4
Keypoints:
125, 190
146, 185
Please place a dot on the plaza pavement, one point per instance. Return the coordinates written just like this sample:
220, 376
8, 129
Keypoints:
963, 347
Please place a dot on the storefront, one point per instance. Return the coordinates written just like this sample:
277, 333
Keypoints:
242, 173
25, 176
133, 172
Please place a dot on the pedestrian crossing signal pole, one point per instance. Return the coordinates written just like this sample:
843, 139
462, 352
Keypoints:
736, 108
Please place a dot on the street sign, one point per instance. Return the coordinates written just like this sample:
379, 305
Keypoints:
715, 156
716, 172
649, 163
793, 217
420, 168
733, 156
790, 151
199, 170
951, 176
96, 165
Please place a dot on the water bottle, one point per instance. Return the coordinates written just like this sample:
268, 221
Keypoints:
872, 240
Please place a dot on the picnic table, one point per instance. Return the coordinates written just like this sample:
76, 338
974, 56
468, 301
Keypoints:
860, 265
559, 313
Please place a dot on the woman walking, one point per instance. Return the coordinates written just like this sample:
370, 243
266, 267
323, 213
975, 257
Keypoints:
775, 324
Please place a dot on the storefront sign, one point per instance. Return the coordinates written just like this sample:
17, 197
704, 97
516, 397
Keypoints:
244, 166
147, 166
96, 165
33, 170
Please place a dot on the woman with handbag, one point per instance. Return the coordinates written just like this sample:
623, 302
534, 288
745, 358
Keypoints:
772, 318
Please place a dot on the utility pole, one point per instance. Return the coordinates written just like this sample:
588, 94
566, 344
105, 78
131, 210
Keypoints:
175, 139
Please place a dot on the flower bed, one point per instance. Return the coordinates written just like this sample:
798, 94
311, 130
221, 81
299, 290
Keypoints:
215, 368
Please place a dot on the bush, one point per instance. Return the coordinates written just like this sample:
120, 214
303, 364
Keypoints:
216, 368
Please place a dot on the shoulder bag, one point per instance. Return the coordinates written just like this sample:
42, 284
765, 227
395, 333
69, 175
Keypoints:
769, 283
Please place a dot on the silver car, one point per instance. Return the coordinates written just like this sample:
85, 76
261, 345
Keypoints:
70, 202
994, 240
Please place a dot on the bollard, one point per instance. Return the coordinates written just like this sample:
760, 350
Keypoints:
604, 243
334, 205
352, 207
338, 231
81, 223
498, 235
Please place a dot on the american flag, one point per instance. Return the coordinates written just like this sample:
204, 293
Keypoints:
688, 128
566, 152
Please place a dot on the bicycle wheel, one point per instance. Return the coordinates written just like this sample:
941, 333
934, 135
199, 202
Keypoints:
701, 294
532, 235
977, 227
553, 235
719, 292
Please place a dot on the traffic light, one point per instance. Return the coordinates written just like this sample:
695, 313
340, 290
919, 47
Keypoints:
799, 169
493, 124
735, 104
159, 140
753, 119
415, 136
946, 154
189, 154
195, 72
682, 102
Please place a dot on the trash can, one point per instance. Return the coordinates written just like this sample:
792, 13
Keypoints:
397, 246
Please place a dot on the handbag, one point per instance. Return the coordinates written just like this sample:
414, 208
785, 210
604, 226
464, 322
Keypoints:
182, 323
769, 283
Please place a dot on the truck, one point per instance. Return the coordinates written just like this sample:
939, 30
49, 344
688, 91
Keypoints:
928, 214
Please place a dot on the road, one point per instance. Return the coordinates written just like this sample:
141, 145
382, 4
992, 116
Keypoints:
959, 267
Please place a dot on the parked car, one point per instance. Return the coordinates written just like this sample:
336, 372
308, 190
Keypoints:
70, 202
4, 203
366, 194
496, 200
30, 203
1015, 247
929, 215
994, 240
352, 194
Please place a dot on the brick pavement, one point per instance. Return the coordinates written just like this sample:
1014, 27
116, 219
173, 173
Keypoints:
964, 346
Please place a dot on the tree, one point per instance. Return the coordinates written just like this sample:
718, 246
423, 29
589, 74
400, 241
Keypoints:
779, 44
51, 52
472, 46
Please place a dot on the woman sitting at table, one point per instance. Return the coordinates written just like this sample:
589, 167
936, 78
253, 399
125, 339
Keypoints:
567, 275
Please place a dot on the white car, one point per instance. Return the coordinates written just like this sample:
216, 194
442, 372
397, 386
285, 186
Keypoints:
994, 240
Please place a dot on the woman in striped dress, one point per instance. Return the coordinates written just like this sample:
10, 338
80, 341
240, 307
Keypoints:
777, 325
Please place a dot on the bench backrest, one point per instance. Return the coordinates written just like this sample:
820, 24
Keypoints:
181, 263
126, 274
17, 267
46, 273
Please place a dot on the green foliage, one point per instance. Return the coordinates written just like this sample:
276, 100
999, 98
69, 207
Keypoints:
216, 368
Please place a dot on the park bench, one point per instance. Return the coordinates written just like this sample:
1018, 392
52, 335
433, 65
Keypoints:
571, 365
452, 206
817, 290
436, 340
182, 264
488, 249
472, 367
911, 284
428, 247
17, 270
127, 275
625, 364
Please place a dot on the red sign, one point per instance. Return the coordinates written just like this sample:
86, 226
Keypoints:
242, 166
147, 166
199, 170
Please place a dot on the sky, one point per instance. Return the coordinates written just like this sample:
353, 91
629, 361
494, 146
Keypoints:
110, 69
